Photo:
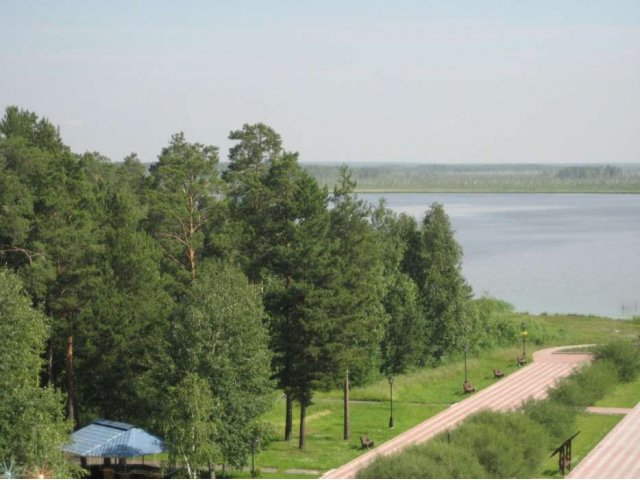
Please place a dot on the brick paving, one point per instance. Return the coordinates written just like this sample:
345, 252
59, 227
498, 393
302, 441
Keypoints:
508, 393
617, 455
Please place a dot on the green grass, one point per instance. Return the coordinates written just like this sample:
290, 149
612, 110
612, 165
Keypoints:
325, 448
441, 385
625, 395
593, 428
579, 329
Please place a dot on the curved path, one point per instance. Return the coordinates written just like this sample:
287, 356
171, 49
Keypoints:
617, 455
548, 366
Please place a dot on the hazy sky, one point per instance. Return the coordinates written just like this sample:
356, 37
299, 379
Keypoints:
407, 81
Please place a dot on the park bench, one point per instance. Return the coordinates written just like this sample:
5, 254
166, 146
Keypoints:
497, 373
365, 441
468, 388
522, 360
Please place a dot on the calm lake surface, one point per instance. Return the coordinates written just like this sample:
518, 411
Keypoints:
554, 253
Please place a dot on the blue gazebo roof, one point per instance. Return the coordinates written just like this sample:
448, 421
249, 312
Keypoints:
105, 438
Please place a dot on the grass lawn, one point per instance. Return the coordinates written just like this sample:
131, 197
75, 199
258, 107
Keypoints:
625, 395
441, 385
593, 428
578, 329
325, 448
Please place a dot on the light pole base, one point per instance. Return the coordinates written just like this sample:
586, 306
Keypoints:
390, 422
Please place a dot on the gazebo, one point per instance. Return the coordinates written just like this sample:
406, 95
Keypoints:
109, 439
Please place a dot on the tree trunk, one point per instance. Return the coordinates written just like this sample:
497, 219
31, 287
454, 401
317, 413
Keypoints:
72, 412
347, 429
191, 254
212, 471
303, 415
50, 378
288, 424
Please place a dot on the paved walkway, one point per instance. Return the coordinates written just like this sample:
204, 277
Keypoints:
609, 410
617, 455
508, 393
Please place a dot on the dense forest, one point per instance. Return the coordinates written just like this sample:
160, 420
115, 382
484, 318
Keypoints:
622, 178
186, 298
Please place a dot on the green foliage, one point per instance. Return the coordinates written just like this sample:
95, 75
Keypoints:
488, 445
189, 423
220, 335
624, 355
587, 386
557, 419
507, 445
123, 356
625, 395
444, 293
356, 288
435, 459
401, 345
32, 428
184, 184
404, 331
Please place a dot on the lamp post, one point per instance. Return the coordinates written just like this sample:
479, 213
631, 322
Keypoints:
254, 445
466, 350
523, 334
391, 396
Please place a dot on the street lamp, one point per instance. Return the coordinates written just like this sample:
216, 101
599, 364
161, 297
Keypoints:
523, 334
391, 396
254, 445
466, 350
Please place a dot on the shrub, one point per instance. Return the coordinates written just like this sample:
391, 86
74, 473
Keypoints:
435, 459
567, 392
507, 445
598, 379
624, 355
587, 386
559, 420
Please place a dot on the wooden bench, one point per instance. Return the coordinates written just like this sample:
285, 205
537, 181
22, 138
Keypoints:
522, 360
468, 388
366, 442
497, 373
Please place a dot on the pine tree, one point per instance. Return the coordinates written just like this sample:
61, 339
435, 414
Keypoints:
184, 184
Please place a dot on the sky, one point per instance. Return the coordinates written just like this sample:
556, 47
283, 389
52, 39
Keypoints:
451, 81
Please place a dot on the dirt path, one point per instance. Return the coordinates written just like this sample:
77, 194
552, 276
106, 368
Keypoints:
609, 410
617, 455
533, 380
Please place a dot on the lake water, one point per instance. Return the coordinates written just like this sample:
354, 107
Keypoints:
554, 253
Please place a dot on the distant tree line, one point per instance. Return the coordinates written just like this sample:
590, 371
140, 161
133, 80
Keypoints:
487, 178
186, 298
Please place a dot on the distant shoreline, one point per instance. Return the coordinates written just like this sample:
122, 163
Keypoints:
542, 192
547, 179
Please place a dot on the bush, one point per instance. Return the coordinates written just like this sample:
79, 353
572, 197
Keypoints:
507, 445
435, 459
567, 392
587, 386
624, 355
559, 421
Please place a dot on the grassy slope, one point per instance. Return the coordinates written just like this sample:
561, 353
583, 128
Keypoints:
420, 395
